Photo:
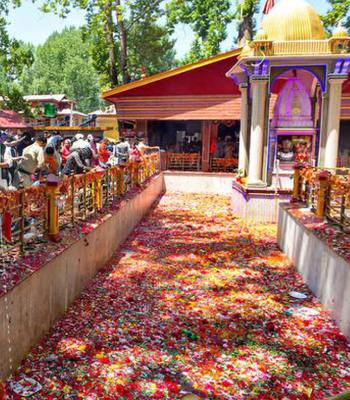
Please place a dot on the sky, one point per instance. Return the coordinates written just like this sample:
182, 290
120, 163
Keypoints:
27, 23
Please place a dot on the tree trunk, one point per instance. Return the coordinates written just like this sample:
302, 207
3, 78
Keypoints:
112, 67
123, 44
245, 31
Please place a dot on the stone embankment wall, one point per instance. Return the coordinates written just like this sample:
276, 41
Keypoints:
325, 272
36, 303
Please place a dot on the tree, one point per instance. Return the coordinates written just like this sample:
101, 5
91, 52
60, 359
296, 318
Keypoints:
13, 58
150, 47
338, 12
208, 20
245, 15
63, 64
111, 25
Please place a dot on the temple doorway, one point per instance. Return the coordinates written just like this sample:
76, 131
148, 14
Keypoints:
294, 127
224, 146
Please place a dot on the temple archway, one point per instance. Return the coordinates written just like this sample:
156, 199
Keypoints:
293, 134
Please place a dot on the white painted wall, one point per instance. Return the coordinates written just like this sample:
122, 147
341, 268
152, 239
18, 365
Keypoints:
198, 182
326, 273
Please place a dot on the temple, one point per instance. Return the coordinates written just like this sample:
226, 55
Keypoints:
282, 99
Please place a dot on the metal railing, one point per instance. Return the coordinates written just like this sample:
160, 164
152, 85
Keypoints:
38, 214
184, 161
325, 191
223, 164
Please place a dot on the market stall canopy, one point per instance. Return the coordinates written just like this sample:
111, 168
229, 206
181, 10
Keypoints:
11, 120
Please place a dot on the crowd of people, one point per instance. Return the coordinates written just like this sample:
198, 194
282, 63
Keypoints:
25, 160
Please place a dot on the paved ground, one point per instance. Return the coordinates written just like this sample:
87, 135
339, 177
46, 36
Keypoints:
194, 303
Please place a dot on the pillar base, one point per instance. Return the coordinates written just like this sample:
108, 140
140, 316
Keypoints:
54, 237
256, 184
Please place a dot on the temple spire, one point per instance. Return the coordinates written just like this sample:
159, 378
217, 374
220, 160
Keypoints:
269, 4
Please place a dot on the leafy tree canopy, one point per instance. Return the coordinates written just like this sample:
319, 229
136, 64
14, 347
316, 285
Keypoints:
125, 34
13, 58
63, 64
245, 14
339, 11
208, 20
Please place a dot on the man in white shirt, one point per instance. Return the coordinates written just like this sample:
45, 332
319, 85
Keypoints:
32, 161
80, 142
143, 148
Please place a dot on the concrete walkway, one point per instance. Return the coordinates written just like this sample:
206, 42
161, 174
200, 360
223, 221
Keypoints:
195, 305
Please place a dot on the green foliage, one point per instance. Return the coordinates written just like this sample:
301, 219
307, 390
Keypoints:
339, 11
63, 64
124, 35
150, 46
14, 57
246, 11
208, 20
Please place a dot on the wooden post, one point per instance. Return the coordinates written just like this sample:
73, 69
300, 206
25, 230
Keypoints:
98, 191
135, 173
120, 180
72, 198
107, 188
323, 179
53, 223
296, 185
22, 220
206, 125
84, 195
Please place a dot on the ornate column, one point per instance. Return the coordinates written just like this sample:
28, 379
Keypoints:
257, 133
333, 123
243, 134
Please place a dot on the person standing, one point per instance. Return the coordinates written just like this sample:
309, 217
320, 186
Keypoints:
135, 154
143, 148
4, 164
228, 148
122, 150
32, 161
65, 151
103, 153
93, 146
11, 158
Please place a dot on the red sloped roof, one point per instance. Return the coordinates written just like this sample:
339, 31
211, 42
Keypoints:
204, 78
11, 120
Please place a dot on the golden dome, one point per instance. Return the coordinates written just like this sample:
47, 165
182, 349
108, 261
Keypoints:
340, 32
293, 20
261, 35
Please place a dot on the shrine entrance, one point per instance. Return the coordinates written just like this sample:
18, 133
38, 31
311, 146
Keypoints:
294, 128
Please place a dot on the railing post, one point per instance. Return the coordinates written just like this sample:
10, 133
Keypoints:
296, 184
107, 182
53, 214
147, 167
120, 180
84, 196
323, 178
72, 199
342, 211
98, 189
135, 173
21, 219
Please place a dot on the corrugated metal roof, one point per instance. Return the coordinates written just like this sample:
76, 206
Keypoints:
68, 111
47, 97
